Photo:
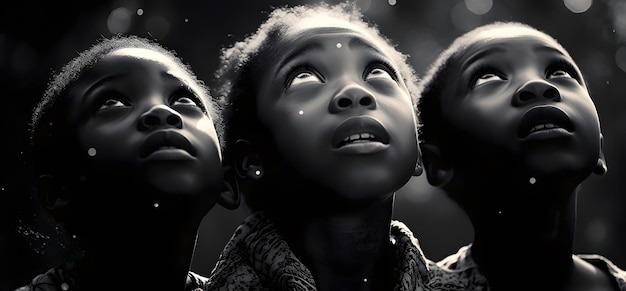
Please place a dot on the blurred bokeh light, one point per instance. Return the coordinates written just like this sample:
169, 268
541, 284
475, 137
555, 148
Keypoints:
37, 39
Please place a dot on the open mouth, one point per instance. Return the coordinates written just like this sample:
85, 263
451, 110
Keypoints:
165, 140
544, 118
359, 129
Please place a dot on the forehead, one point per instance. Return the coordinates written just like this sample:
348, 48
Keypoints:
492, 42
148, 56
140, 61
299, 42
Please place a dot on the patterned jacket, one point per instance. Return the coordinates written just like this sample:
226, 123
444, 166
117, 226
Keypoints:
257, 258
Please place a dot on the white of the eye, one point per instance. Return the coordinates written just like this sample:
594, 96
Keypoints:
378, 73
560, 74
487, 78
111, 103
304, 78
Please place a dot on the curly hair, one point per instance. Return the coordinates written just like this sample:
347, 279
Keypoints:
48, 132
241, 62
429, 106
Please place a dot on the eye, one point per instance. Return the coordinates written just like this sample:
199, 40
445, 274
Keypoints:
303, 76
378, 73
111, 103
486, 78
559, 74
562, 69
183, 100
184, 97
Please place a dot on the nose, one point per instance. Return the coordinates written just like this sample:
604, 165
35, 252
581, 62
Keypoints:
535, 90
160, 116
352, 96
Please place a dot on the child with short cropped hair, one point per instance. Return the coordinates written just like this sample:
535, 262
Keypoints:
509, 131
127, 159
321, 129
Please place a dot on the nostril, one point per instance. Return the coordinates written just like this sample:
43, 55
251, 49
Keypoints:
344, 102
550, 93
525, 96
172, 120
151, 120
365, 101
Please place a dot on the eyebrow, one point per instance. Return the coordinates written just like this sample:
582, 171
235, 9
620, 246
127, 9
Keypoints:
358, 42
100, 83
308, 47
473, 58
548, 49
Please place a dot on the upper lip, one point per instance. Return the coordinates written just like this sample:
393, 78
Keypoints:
359, 128
165, 139
544, 117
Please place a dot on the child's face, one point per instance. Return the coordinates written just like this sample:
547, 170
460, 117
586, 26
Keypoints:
525, 98
138, 115
339, 113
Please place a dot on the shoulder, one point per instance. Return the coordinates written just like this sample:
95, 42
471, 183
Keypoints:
55, 279
458, 271
195, 281
607, 267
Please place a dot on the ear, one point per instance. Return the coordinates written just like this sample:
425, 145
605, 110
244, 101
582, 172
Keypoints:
438, 171
247, 161
601, 167
52, 194
418, 165
230, 196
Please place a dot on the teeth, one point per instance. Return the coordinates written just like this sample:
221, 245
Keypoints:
543, 126
359, 136
167, 147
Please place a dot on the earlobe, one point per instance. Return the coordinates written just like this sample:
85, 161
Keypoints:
247, 161
51, 194
438, 172
230, 196
418, 164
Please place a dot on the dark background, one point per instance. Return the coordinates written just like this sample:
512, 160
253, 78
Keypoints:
38, 37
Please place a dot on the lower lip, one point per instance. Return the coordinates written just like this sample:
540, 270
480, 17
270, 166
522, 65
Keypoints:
169, 154
548, 134
361, 148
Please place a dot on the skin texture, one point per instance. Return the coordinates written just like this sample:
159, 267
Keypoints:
517, 185
148, 169
332, 200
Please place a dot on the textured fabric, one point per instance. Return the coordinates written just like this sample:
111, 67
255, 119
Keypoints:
461, 270
257, 258
62, 278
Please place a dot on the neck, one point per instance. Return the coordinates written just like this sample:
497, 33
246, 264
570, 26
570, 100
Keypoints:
346, 248
156, 245
537, 231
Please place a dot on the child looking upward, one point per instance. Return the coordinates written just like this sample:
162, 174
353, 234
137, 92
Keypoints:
127, 159
509, 131
321, 130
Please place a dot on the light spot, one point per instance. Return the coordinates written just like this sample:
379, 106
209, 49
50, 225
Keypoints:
257, 172
300, 112
139, 11
578, 6
119, 20
156, 204
338, 45
92, 152
532, 180
479, 7
65, 286
392, 2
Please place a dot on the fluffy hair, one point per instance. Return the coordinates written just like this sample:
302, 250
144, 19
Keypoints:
48, 132
430, 86
240, 63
